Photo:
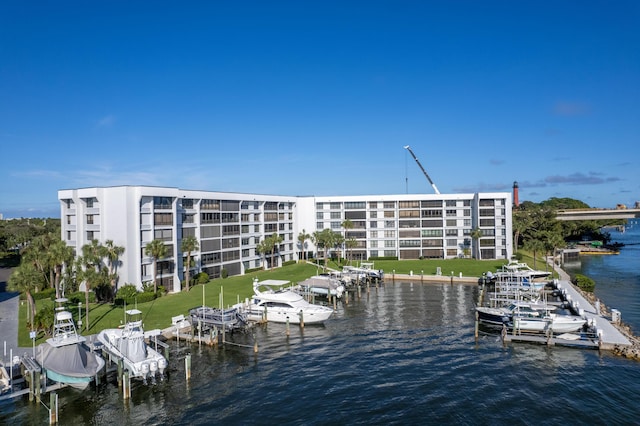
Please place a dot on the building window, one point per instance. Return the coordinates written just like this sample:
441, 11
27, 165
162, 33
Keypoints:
90, 235
389, 205
373, 204
352, 205
163, 234
89, 219
336, 215
89, 202
389, 223
210, 205
162, 203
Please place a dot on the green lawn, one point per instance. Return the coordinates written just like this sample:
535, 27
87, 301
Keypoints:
158, 313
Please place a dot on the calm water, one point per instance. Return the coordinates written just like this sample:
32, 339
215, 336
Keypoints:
404, 353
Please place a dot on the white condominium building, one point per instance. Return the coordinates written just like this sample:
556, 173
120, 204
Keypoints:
229, 227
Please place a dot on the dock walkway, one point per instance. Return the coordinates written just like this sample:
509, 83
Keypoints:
610, 336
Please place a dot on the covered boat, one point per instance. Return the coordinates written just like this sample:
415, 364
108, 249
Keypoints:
227, 319
65, 357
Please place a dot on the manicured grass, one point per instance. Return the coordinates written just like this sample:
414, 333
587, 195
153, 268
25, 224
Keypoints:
158, 313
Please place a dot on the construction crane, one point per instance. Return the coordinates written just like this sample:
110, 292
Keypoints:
433, 185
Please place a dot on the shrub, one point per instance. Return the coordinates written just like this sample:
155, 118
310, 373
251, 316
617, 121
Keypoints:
203, 278
224, 273
585, 283
43, 320
79, 297
289, 262
47, 293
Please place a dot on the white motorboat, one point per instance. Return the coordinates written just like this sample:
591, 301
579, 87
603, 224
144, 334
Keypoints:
503, 315
518, 269
323, 285
273, 301
129, 344
65, 356
552, 322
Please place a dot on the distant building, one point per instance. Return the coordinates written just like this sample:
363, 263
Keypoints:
229, 227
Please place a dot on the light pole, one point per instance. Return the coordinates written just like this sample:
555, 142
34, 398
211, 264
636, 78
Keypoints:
79, 315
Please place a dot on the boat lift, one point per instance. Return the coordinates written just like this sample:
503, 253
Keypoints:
433, 185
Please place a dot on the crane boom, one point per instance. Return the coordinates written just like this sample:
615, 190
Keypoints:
433, 185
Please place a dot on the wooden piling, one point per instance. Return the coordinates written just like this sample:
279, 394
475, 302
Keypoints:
53, 408
301, 319
476, 329
126, 385
187, 367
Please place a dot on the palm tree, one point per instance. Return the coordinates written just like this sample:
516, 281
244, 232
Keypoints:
534, 245
476, 234
90, 270
157, 250
188, 245
275, 241
351, 243
338, 243
112, 253
348, 225
262, 248
302, 239
59, 255
26, 279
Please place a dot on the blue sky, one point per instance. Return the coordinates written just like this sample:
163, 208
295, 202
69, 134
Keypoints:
319, 98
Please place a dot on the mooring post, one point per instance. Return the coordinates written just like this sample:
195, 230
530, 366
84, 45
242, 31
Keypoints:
187, 367
126, 385
301, 319
53, 408
287, 327
346, 297
39, 386
120, 371
335, 301
421, 276
255, 343
476, 332
32, 385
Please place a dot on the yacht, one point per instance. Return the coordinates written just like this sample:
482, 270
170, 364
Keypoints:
275, 302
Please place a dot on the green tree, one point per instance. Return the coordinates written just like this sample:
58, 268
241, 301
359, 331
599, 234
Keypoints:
347, 225
535, 246
60, 254
476, 234
275, 241
156, 250
189, 244
90, 270
26, 279
262, 248
302, 239
113, 252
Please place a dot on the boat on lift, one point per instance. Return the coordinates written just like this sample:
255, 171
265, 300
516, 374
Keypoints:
65, 356
129, 344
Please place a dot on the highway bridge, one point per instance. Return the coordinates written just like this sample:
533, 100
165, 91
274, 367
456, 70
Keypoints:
597, 214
